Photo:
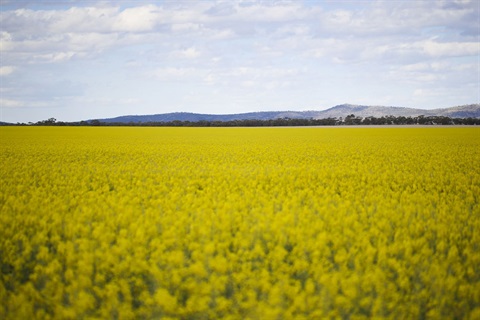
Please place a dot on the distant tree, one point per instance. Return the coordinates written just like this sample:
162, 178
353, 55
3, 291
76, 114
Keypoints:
349, 119
421, 119
48, 122
352, 120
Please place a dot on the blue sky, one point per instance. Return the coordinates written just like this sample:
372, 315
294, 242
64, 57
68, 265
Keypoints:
76, 60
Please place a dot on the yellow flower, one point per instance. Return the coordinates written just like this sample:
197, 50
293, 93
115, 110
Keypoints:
239, 223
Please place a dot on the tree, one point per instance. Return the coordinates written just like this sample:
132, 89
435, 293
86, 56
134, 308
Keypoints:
352, 120
48, 122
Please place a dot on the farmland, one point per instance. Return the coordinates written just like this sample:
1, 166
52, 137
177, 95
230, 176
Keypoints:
239, 223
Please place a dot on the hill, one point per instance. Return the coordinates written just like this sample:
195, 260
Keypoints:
340, 111
466, 111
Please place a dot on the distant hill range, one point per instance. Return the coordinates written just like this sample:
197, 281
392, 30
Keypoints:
340, 111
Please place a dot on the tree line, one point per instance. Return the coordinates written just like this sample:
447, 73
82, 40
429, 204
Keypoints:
350, 120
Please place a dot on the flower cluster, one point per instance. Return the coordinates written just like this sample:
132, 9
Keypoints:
239, 223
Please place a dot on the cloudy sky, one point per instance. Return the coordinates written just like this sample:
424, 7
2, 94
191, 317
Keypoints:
76, 60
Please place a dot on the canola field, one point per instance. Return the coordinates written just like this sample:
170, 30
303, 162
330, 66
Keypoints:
239, 223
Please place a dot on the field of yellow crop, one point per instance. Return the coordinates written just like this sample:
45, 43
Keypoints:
239, 223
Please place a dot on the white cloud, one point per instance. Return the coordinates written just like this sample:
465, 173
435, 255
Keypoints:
275, 13
223, 34
268, 72
6, 70
83, 19
54, 56
10, 103
210, 79
189, 53
248, 83
6, 41
174, 73
95, 29
77, 19
138, 19
185, 27
450, 49
435, 74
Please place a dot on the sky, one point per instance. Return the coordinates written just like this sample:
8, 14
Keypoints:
80, 60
